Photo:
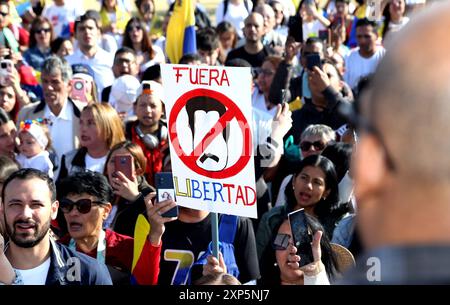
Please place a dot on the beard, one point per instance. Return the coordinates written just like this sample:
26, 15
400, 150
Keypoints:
27, 240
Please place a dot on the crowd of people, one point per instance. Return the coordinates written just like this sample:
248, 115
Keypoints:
334, 89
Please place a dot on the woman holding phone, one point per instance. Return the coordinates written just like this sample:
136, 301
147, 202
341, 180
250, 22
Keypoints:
128, 202
313, 187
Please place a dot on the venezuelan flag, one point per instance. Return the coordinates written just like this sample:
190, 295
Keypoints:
181, 31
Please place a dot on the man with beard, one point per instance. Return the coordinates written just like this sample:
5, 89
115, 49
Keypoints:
28, 205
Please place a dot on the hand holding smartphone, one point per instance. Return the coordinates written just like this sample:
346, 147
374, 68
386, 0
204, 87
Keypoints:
301, 236
313, 60
165, 191
6, 68
124, 164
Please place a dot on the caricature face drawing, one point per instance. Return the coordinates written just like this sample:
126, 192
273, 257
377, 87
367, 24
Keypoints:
203, 113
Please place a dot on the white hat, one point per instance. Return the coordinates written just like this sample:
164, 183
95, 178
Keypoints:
124, 93
156, 89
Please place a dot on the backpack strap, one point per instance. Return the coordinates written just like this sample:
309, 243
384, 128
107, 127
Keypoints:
246, 6
227, 228
225, 7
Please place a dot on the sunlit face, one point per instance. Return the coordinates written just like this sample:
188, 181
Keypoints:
28, 211
7, 98
226, 40
312, 145
148, 110
54, 88
278, 10
287, 273
254, 28
366, 38
125, 63
209, 57
43, 34
309, 186
87, 33
397, 8
136, 32
86, 225
265, 77
65, 49
8, 135
29, 146
90, 134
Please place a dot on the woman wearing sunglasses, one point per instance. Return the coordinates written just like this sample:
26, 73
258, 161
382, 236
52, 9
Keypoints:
314, 187
41, 35
85, 200
282, 264
137, 38
128, 202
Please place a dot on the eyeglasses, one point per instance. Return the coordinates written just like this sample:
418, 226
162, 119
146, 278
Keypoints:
363, 36
281, 241
267, 72
45, 30
4, 14
306, 145
83, 205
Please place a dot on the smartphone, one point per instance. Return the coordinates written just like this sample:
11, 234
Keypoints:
124, 164
295, 26
80, 89
313, 60
301, 234
323, 35
165, 191
6, 67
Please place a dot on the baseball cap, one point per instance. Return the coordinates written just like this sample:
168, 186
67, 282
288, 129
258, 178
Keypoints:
83, 71
124, 93
153, 88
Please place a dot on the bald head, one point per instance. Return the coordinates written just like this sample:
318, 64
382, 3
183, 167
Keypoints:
409, 102
254, 28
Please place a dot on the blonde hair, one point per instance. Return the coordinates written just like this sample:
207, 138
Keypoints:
108, 123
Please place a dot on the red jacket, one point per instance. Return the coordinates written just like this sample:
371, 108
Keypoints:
119, 254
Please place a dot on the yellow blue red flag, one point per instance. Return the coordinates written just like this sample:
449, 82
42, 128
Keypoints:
181, 31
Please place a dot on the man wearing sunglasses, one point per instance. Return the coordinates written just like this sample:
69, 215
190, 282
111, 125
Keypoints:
402, 182
28, 206
85, 203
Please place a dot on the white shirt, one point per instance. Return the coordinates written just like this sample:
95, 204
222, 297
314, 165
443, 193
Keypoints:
311, 29
61, 16
236, 15
259, 102
61, 129
358, 66
262, 126
41, 162
95, 164
159, 58
37, 275
101, 63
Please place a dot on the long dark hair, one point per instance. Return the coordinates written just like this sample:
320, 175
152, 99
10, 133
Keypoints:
146, 44
35, 25
328, 210
270, 271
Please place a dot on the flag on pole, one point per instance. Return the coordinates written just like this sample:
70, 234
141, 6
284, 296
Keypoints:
181, 31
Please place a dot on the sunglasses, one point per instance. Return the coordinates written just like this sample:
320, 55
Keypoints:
306, 145
83, 205
4, 14
46, 30
281, 242
134, 27
363, 36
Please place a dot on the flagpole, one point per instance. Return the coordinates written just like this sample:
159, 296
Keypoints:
215, 234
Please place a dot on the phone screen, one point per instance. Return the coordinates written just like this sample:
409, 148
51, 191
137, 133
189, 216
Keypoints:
166, 191
301, 236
